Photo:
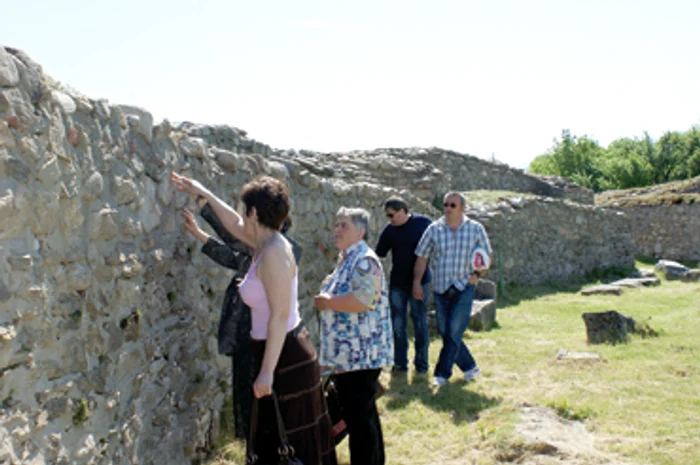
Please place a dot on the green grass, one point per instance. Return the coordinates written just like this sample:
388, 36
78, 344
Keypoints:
492, 196
640, 401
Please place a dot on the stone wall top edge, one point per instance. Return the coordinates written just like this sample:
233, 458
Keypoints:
207, 131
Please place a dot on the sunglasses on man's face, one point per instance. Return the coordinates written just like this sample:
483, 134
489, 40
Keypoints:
390, 215
449, 204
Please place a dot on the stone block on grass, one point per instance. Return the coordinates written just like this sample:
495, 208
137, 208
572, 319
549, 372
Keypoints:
603, 289
608, 327
483, 315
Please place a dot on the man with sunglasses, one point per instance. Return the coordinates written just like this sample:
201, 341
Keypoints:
401, 236
450, 241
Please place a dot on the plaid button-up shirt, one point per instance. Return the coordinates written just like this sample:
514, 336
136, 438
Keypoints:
450, 251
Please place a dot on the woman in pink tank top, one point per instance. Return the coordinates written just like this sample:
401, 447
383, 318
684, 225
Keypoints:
284, 358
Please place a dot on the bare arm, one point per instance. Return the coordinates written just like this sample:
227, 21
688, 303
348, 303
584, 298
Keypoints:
276, 270
341, 303
365, 290
230, 219
418, 272
419, 269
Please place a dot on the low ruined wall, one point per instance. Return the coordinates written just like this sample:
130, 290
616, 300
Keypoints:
666, 231
427, 172
538, 240
108, 310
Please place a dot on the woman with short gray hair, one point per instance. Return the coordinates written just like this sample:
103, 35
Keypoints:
355, 331
359, 217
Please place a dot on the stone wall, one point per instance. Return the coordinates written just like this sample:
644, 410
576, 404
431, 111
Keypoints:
537, 240
666, 231
570, 190
108, 310
664, 218
427, 172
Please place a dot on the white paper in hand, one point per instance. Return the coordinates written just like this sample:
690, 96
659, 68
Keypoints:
480, 259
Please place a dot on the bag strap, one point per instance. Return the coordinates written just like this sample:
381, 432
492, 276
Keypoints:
285, 450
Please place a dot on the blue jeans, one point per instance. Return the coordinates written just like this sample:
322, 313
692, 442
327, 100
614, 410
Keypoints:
453, 309
399, 299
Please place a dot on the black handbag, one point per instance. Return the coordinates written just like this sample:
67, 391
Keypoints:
335, 412
285, 450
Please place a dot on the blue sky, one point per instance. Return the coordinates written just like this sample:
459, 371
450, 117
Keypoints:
499, 78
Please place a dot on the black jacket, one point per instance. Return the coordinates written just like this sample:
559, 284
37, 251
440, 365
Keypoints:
234, 324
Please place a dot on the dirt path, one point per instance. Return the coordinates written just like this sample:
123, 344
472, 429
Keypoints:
550, 439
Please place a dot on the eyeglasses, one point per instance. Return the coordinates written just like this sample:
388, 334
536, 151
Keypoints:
390, 215
449, 204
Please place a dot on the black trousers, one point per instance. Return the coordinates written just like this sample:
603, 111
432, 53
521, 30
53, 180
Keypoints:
356, 395
242, 391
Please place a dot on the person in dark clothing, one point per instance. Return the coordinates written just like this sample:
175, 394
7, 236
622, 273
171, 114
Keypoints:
234, 323
401, 236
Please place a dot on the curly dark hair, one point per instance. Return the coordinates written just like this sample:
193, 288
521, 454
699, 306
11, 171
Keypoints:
270, 198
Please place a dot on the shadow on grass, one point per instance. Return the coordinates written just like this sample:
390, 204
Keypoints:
463, 405
515, 293
647, 261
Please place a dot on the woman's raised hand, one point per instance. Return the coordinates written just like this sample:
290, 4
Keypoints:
190, 224
189, 185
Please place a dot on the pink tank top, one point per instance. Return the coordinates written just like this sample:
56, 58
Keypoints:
253, 294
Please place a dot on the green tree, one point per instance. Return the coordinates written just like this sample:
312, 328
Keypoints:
693, 152
543, 164
626, 164
573, 157
671, 151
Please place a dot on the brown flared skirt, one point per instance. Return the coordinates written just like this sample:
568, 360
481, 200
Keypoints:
302, 403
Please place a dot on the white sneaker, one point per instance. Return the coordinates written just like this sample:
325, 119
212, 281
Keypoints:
471, 374
439, 381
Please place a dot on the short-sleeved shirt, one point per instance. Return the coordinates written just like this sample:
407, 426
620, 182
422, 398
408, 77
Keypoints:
363, 340
451, 251
402, 241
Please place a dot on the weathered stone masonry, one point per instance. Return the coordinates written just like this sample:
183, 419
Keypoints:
666, 231
108, 310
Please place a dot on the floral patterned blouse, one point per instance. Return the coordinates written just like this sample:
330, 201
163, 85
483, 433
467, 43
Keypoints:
364, 340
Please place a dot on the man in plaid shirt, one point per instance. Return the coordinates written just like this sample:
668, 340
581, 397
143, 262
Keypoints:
449, 242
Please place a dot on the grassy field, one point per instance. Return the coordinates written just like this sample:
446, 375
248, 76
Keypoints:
641, 401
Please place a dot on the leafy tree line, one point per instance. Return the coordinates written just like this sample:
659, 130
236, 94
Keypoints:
625, 162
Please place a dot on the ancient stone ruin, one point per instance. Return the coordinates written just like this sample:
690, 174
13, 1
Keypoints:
664, 219
108, 310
